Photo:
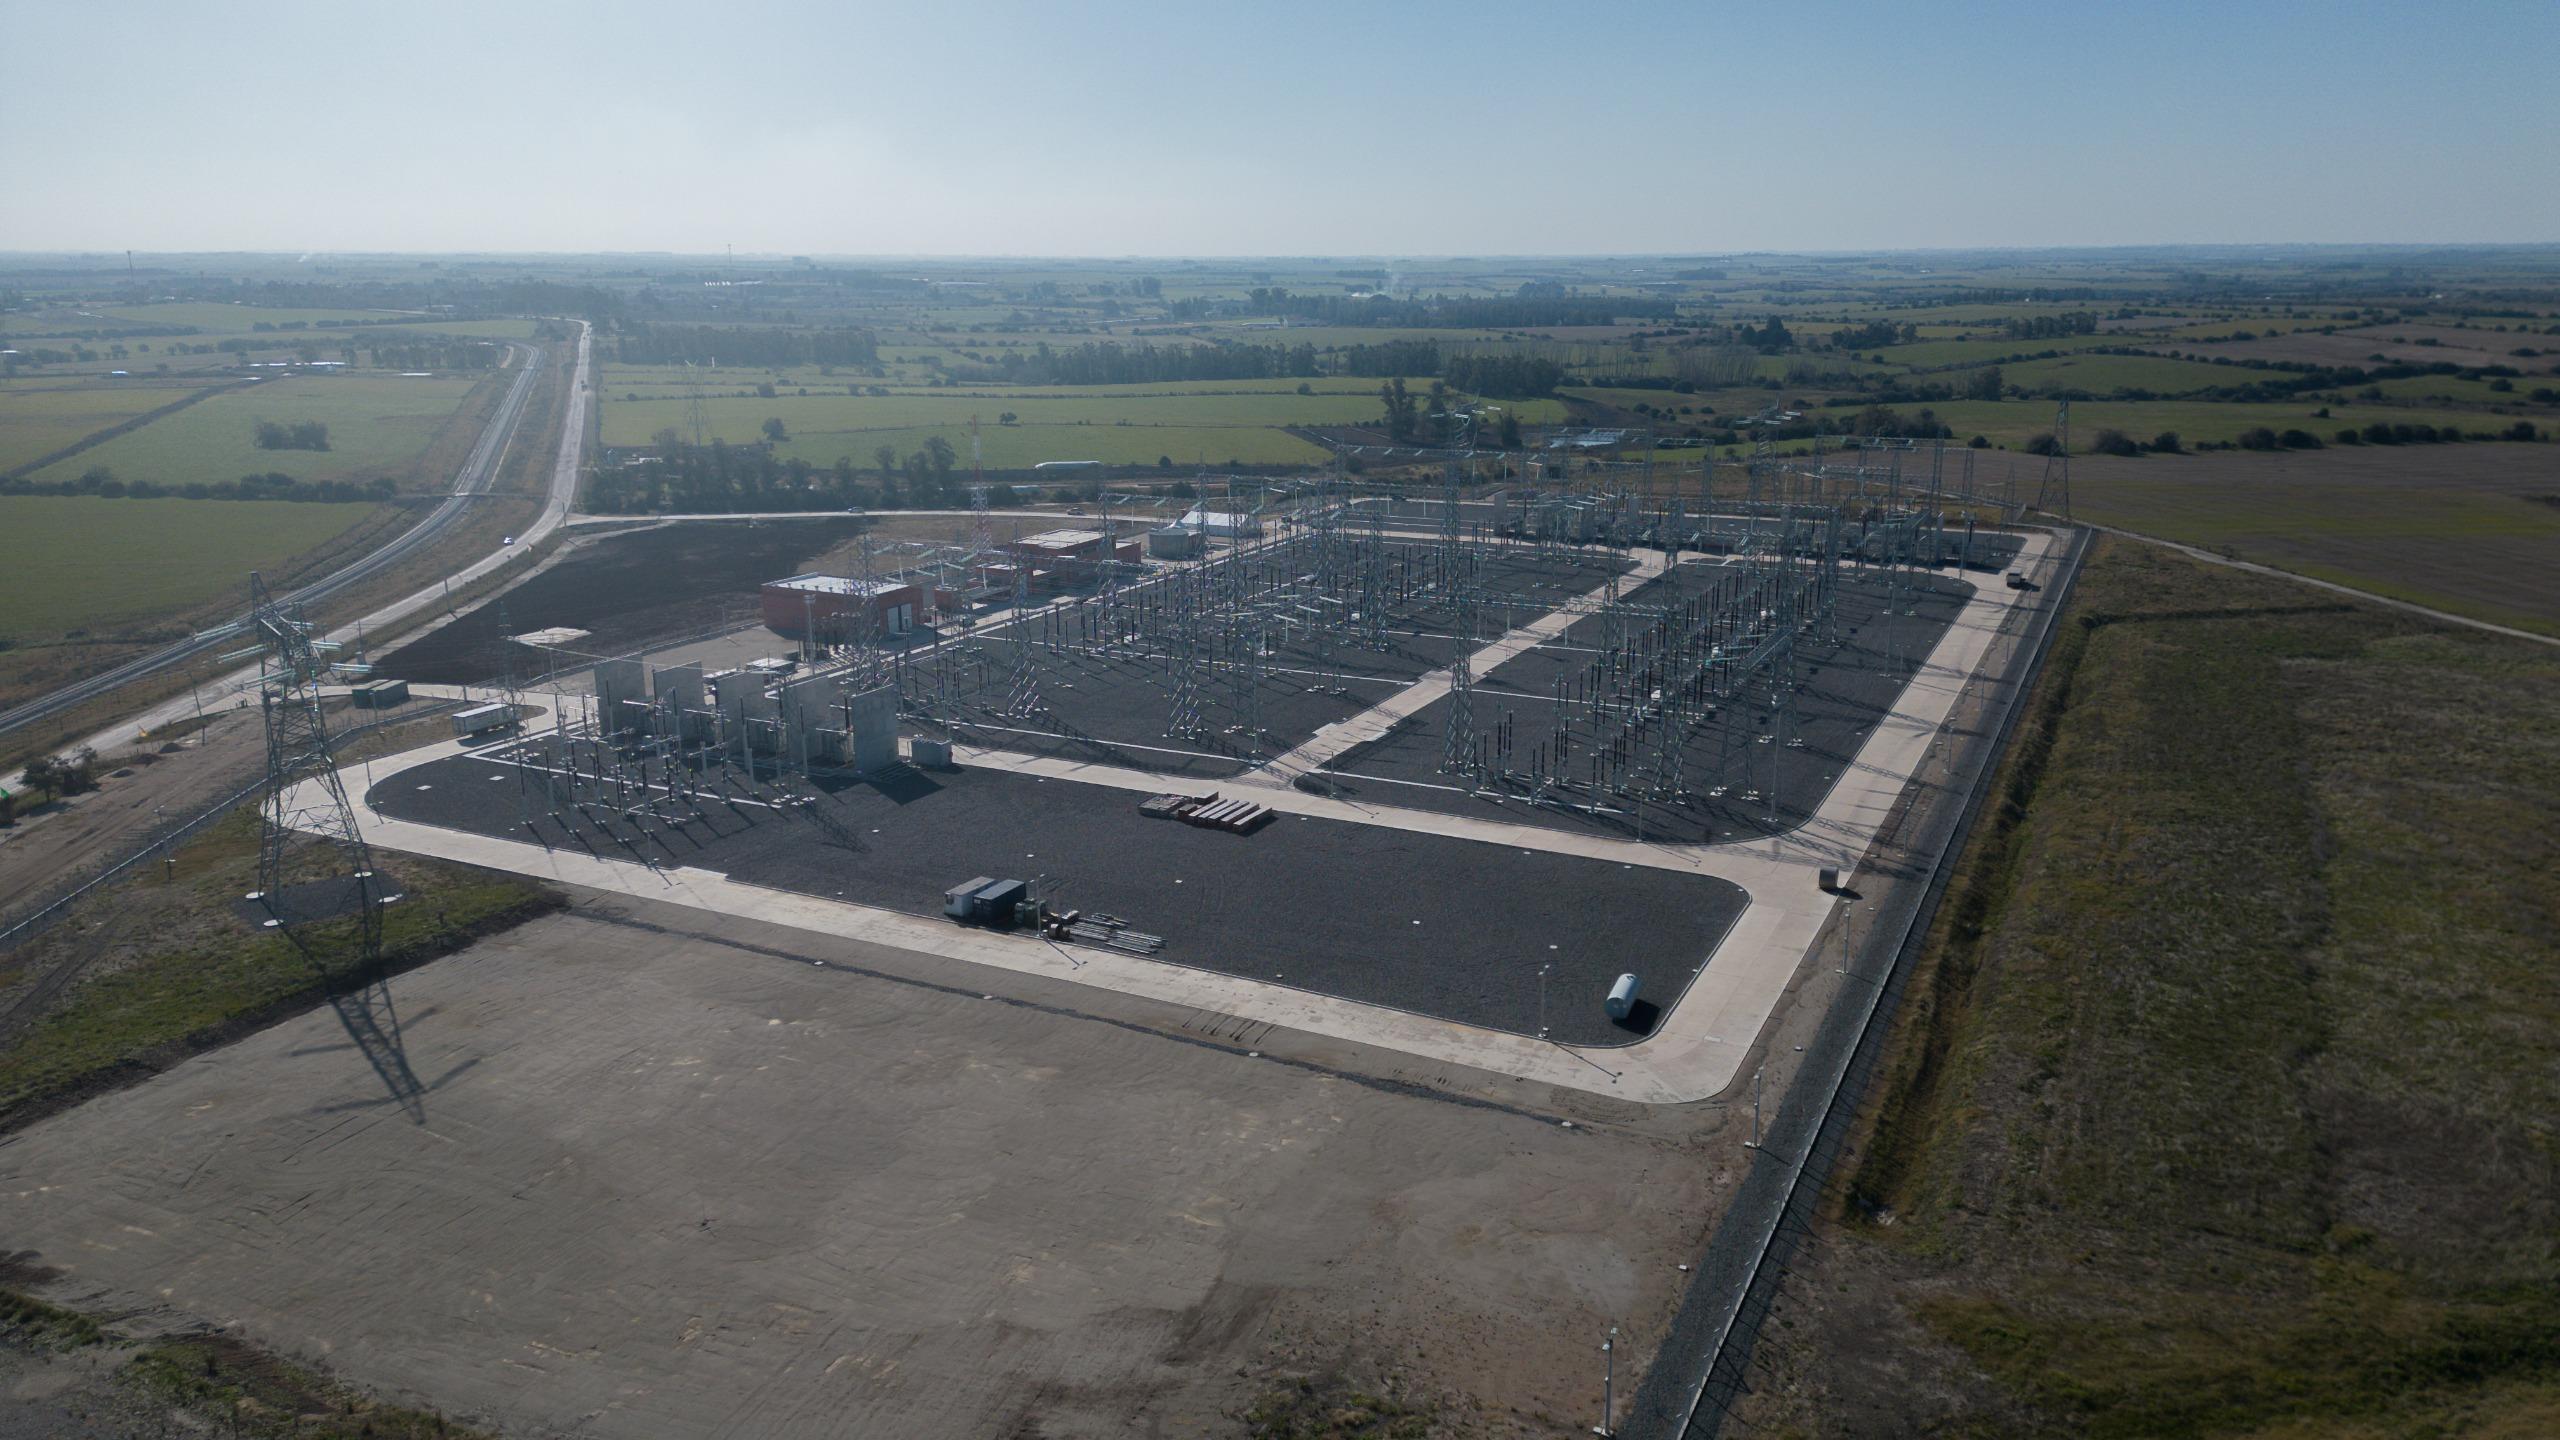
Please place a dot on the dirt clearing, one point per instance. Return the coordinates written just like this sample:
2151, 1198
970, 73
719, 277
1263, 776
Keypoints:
668, 1183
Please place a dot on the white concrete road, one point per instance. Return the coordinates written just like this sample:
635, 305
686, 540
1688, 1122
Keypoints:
1697, 1051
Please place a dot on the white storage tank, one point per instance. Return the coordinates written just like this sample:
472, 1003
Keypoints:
1622, 997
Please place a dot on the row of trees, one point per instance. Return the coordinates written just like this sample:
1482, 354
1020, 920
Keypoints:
719, 476
2050, 327
430, 355
1504, 376
1106, 364
100, 481
1407, 416
645, 344
1498, 374
1517, 312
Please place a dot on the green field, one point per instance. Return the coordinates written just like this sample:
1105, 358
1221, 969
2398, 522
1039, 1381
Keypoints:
2107, 374
378, 425
2222, 1104
2421, 389
2013, 422
83, 563
1925, 354
213, 318
1191, 423
38, 418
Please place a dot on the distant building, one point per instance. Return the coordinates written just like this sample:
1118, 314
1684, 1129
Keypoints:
1175, 542
1221, 524
835, 604
1062, 555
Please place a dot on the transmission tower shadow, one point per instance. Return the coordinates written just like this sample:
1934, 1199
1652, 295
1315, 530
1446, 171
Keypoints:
362, 1001
373, 1023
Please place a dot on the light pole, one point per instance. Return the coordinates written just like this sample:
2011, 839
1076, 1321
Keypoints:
1542, 999
1754, 1142
1608, 1383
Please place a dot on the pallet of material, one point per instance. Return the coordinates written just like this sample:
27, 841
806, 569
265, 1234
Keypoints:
1114, 937
1238, 816
1175, 807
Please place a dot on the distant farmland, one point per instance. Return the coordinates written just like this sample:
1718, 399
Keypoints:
83, 563
38, 418
1122, 425
378, 425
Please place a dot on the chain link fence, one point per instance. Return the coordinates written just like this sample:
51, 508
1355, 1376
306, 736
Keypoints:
1704, 1362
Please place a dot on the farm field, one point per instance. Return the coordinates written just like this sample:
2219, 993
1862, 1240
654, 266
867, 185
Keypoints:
207, 317
2260, 1146
2393, 342
2014, 422
2106, 374
378, 425
2458, 527
1929, 354
1119, 425
40, 417
77, 562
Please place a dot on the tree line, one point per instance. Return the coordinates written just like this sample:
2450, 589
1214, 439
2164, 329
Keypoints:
645, 344
1515, 312
719, 477
100, 481
1099, 363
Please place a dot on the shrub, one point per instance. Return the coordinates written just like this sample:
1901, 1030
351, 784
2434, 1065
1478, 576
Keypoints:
2166, 442
2299, 440
2114, 442
2258, 437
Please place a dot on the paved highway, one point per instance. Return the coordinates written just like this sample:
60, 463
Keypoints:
479, 472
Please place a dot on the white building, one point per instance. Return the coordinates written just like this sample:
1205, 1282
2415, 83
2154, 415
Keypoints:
1221, 524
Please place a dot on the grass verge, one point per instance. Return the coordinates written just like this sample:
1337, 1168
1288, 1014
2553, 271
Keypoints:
172, 971
2223, 1104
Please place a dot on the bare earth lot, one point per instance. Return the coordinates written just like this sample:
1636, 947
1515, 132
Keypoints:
765, 1184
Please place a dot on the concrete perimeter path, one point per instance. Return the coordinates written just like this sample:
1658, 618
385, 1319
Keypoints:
1697, 1051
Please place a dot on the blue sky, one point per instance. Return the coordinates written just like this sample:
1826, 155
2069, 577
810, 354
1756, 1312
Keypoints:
1099, 129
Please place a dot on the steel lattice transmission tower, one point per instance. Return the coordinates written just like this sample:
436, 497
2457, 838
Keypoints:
1022, 694
304, 795
1458, 739
2057, 466
306, 802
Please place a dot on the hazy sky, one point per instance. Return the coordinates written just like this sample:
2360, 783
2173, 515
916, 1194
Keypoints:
1298, 128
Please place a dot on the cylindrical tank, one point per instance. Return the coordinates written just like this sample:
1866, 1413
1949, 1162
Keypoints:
1622, 997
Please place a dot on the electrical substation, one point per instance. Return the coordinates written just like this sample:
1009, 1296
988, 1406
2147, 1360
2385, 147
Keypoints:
1429, 741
